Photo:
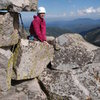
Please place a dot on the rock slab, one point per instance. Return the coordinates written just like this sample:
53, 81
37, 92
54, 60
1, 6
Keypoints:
30, 59
73, 52
6, 64
8, 32
26, 90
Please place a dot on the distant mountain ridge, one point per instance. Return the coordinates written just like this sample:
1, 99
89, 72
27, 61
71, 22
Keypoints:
93, 36
88, 31
77, 25
56, 31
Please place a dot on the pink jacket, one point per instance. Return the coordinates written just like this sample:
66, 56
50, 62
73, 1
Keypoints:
38, 29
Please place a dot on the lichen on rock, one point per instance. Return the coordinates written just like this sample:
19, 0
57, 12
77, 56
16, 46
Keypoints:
6, 65
31, 59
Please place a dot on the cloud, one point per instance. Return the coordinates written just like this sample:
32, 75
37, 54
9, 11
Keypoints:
90, 10
72, 13
98, 10
64, 14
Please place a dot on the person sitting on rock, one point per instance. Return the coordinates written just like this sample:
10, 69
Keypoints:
38, 26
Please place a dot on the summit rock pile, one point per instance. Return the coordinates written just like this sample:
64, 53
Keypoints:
68, 69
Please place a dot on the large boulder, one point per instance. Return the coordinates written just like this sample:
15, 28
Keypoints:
73, 52
6, 64
75, 70
32, 89
8, 29
73, 84
96, 56
30, 59
19, 5
26, 90
15, 96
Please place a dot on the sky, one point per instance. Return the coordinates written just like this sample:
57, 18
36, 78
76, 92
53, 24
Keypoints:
71, 9
66, 10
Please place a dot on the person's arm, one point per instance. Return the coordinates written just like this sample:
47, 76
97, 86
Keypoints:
45, 39
36, 26
43, 30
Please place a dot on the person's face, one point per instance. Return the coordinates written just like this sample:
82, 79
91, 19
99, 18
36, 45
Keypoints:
42, 15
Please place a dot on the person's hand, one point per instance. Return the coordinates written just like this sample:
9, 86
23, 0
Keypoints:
46, 43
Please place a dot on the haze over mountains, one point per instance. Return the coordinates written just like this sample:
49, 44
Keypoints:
77, 25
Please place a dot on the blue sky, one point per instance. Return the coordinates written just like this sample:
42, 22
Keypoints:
67, 10
71, 9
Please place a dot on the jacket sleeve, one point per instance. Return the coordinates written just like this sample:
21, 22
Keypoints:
43, 30
36, 26
45, 38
